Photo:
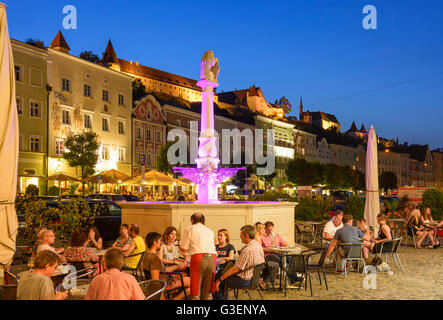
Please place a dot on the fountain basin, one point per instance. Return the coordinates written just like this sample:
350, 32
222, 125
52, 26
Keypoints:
156, 216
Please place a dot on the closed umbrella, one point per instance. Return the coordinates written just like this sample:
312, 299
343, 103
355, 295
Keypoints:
372, 202
8, 145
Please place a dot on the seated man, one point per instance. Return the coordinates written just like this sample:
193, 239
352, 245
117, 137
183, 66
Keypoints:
137, 246
37, 284
250, 255
347, 234
47, 239
114, 284
331, 228
153, 264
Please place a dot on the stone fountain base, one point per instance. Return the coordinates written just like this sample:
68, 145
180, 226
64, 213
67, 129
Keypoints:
156, 216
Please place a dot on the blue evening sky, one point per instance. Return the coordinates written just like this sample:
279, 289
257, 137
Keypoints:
310, 48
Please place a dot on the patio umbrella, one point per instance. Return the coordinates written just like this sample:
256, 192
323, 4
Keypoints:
372, 202
185, 181
116, 175
61, 177
8, 145
103, 180
152, 177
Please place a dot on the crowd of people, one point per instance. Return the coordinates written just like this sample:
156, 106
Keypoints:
202, 264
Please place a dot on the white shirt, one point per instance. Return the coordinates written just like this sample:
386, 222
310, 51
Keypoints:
45, 247
331, 229
198, 239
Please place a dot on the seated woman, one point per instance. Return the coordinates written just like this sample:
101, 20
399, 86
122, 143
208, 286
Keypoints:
169, 250
155, 269
384, 234
94, 239
416, 227
225, 251
427, 218
77, 251
124, 240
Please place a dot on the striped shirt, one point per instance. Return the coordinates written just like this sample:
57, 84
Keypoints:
251, 255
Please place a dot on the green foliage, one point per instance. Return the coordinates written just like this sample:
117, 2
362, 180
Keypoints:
391, 205
73, 188
163, 164
274, 196
89, 56
433, 199
355, 206
54, 191
36, 43
311, 210
138, 90
239, 178
73, 215
304, 173
387, 180
285, 104
83, 151
32, 190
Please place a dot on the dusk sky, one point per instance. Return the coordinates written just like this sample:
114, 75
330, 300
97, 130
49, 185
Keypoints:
311, 48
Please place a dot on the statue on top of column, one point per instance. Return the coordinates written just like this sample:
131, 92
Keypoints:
209, 68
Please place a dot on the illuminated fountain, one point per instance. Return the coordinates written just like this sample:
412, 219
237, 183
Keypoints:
156, 216
207, 175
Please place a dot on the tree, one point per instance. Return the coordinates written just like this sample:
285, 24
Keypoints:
81, 151
163, 164
268, 179
138, 90
285, 104
89, 56
303, 173
387, 180
433, 199
332, 176
239, 178
31, 190
36, 43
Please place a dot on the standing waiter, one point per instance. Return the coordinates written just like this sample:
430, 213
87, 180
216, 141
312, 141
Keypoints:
198, 241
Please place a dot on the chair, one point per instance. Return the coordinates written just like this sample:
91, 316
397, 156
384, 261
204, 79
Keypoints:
169, 292
153, 289
353, 252
135, 271
298, 263
14, 272
319, 266
258, 269
319, 233
8, 292
393, 250
302, 229
410, 230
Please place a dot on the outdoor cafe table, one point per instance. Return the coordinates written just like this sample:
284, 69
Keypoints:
284, 251
100, 254
396, 225
314, 225
59, 274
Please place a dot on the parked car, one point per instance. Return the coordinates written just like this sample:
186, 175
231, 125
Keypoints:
334, 209
107, 221
341, 196
131, 197
107, 196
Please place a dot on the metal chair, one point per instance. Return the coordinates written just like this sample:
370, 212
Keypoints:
169, 292
304, 230
298, 263
78, 275
393, 250
410, 231
8, 292
135, 271
153, 289
14, 272
319, 266
352, 252
258, 269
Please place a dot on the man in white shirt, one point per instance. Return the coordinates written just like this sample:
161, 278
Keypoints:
47, 239
198, 241
331, 227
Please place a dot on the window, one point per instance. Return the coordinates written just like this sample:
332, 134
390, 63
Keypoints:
66, 117
105, 124
18, 73
148, 134
87, 90
19, 102
87, 121
105, 95
59, 149
121, 154
105, 152
158, 136
149, 158
66, 86
138, 133
35, 109
121, 99
121, 127
35, 143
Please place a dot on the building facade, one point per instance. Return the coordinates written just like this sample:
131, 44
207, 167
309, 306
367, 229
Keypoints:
30, 65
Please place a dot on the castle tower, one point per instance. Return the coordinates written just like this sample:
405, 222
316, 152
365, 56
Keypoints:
59, 43
109, 57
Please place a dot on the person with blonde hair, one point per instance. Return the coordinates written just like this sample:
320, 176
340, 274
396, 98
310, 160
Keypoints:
416, 227
259, 231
